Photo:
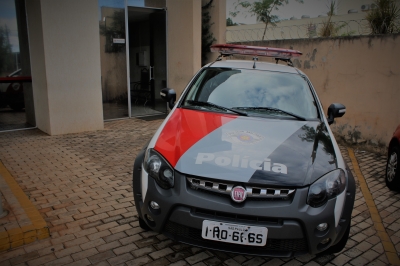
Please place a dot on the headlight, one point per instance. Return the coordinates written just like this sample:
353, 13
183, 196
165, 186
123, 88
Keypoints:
159, 169
326, 188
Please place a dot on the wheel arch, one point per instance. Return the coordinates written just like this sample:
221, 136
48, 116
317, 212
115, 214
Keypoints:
393, 142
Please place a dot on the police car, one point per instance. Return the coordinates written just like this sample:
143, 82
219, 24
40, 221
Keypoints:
246, 162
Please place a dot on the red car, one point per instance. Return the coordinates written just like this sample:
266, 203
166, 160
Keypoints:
12, 94
392, 177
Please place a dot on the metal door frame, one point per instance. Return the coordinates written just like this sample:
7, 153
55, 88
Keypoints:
128, 71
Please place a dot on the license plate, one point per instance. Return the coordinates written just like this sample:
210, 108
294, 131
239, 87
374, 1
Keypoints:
234, 233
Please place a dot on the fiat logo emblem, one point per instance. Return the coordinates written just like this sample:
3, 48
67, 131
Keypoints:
238, 194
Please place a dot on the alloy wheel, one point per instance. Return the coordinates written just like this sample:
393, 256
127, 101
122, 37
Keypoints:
391, 167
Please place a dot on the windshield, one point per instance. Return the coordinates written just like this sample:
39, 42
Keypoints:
247, 90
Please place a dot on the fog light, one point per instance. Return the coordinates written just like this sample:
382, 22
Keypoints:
168, 173
322, 227
154, 205
148, 217
325, 241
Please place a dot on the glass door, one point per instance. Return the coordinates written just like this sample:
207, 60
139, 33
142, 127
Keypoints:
16, 95
113, 59
147, 60
158, 58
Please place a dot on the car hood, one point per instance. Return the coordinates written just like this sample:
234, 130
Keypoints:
277, 152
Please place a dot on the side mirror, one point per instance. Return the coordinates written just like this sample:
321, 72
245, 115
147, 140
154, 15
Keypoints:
335, 110
168, 95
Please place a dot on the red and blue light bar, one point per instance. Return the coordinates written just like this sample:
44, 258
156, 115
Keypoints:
230, 49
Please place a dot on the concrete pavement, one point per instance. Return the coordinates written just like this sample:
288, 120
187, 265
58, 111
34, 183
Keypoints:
81, 185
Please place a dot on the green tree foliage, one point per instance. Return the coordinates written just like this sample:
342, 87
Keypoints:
207, 37
384, 18
229, 22
114, 27
262, 10
328, 27
6, 56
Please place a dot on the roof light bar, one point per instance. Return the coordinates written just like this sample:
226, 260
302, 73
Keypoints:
229, 49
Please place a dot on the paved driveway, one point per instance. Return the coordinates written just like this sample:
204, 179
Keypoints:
81, 184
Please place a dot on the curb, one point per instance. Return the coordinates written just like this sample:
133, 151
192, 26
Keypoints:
28, 230
387, 244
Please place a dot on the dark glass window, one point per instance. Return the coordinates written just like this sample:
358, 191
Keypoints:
239, 89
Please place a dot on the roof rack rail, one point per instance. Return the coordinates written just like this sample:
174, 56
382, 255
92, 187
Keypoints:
278, 53
228, 49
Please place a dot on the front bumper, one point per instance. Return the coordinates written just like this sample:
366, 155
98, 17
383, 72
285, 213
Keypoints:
291, 223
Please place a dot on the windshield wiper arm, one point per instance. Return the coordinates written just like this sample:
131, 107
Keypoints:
273, 109
201, 103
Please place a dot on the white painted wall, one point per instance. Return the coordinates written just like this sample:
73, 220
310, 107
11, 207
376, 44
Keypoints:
184, 42
65, 58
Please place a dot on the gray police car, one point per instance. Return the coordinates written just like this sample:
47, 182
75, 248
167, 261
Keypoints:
246, 162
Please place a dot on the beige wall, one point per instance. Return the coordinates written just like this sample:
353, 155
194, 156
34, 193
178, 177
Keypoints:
184, 42
360, 72
64, 47
353, 24
218, 23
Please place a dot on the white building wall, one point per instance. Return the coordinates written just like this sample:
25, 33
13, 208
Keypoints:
64, 47
184, 42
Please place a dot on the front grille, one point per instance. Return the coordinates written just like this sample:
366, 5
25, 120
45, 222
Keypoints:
236, 217
254, 192
193, 235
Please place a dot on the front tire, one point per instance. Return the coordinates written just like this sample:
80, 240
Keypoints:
143, 225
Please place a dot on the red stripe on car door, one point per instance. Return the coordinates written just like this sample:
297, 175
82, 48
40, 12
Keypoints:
185, 128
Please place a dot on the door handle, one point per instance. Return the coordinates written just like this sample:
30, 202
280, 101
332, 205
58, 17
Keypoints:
151, 73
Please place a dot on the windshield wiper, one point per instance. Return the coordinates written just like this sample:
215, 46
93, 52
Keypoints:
273, 109
201, 103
